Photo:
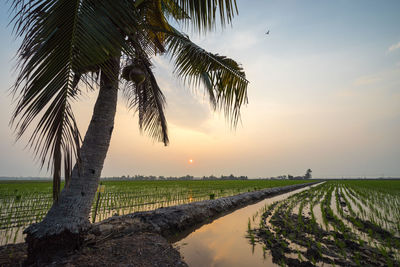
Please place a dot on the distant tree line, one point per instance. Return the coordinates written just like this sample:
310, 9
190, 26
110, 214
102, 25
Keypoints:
172, 178
291, 177
230, 177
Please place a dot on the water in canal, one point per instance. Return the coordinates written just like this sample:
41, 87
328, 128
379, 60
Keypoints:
223, 242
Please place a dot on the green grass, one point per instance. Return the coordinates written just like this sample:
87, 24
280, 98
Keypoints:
23, 203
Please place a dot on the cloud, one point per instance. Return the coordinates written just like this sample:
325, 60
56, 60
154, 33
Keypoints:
243, 40
186, 106
394, 47
384, 80
366, 80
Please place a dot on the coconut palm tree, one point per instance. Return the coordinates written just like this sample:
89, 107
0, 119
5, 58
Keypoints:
105, 45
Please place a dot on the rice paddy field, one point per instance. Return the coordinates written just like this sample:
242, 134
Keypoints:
23, 203
337, 223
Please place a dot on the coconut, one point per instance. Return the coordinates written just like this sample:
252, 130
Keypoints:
134, 74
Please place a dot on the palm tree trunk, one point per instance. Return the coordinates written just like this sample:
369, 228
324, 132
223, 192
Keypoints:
67, 221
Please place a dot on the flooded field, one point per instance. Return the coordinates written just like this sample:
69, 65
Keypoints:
23, 203
337, 223
223, 242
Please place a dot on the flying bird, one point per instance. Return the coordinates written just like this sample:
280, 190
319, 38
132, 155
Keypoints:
267, 32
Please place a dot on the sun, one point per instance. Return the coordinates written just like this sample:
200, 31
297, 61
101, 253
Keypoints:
190, 161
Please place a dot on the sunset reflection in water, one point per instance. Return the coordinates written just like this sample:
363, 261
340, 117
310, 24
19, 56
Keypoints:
223, 242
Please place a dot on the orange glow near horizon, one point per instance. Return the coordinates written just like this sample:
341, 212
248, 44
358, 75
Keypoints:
190, 161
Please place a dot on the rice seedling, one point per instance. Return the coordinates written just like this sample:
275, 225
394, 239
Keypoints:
358, 226
23, 203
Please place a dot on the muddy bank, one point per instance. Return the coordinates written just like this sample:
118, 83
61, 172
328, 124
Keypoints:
139, 249
223, 242
173, 220
289, 231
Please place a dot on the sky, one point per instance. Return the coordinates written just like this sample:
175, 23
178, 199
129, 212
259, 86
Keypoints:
324, 94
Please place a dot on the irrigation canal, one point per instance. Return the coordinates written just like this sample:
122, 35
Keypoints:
223, 242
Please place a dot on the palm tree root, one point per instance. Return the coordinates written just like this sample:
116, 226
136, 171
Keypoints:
42, 251
45, 244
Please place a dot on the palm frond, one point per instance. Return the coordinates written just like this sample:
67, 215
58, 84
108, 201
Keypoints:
153, 16
61, 39
147, 99
205, 14
207, 83
223, 78
172, 9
